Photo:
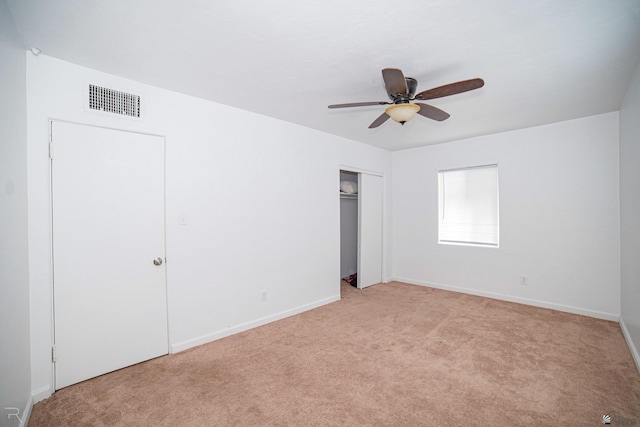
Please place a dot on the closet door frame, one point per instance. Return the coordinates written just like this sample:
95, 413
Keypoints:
384, 203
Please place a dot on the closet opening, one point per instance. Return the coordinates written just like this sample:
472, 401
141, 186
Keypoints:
349, 227
361, 228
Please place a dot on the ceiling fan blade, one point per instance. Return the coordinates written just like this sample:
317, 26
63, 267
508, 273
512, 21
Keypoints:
358, 104
394, 82
432, 112
380, 120
450, 89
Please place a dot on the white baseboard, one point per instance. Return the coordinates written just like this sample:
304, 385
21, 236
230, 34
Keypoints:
184, 345
526, 301
41, 393
630, 344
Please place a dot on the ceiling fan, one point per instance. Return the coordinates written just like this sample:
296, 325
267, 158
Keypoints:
401, 91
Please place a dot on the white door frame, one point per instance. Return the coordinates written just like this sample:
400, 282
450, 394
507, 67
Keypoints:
357, 170
51, 237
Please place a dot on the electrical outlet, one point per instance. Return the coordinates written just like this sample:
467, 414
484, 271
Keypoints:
524, 280
265, 296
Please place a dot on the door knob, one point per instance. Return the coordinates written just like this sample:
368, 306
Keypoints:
157, 261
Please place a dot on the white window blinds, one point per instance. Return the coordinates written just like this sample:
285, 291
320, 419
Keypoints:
468, 206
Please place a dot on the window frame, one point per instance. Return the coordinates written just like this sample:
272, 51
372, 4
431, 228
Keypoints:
440, 208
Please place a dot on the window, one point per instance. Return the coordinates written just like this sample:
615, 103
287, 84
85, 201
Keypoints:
468, 206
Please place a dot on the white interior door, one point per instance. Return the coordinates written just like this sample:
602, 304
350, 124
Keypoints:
370, 206
108, 228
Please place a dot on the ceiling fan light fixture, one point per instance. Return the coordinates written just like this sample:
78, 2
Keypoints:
402, 112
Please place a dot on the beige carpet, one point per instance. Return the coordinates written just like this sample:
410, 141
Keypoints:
390, 355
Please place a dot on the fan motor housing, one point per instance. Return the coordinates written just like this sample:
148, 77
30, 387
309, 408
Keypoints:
412, 85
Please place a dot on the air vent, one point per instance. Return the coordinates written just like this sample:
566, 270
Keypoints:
113, 101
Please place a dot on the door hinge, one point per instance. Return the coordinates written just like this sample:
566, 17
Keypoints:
53, 353
51, 150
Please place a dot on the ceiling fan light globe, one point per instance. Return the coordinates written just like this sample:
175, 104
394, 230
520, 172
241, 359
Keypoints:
402, 112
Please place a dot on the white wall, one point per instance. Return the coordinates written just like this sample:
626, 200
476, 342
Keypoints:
630, 215
260, 195
15, 378
559, 217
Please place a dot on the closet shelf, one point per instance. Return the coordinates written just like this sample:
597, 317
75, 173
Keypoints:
348, 195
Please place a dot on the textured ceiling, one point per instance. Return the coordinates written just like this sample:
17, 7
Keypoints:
543, 61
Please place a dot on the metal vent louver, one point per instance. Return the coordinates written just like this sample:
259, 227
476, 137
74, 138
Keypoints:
114, 101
